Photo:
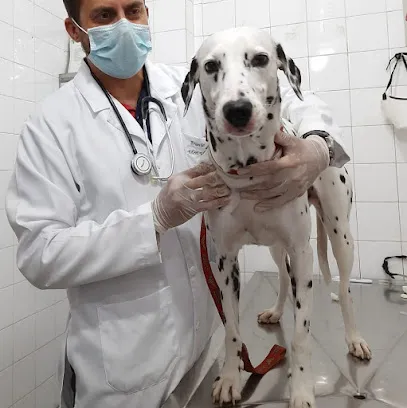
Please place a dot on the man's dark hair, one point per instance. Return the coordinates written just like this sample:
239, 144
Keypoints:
72, 8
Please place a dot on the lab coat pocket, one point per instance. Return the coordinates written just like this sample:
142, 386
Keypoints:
139, 342
196, 149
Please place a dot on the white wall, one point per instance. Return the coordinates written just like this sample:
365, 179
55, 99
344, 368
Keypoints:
172, 27
342, 48
32, 54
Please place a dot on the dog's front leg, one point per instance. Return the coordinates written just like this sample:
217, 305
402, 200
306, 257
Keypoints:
302, 383
226, 387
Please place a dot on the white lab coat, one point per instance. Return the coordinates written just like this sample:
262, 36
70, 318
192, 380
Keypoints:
140, 314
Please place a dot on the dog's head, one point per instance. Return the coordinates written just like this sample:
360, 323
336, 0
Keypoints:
237, 72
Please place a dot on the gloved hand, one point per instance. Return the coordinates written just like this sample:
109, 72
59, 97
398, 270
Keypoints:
289, 177
187, 194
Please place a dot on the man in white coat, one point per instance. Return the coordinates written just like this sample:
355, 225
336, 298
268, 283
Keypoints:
125, 248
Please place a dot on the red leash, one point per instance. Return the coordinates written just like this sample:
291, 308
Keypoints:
276, 354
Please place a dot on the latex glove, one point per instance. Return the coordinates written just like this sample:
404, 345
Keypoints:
187, 194
290, 176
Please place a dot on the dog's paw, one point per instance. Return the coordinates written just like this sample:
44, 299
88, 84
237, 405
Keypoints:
359, 348
270, 316
226, 388
302, 399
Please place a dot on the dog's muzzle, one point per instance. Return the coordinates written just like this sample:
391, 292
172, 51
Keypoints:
238, 113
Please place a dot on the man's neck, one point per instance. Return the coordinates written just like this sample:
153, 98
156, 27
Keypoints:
126, 91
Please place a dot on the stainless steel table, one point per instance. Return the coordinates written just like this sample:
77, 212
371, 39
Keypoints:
340, 380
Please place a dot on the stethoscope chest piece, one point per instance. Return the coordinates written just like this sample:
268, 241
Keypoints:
141, 164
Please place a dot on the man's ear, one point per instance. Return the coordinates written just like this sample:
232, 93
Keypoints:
292, 72
189, 84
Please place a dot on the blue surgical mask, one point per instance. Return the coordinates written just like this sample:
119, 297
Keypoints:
119, 50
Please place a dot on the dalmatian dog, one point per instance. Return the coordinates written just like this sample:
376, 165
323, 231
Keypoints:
237, 73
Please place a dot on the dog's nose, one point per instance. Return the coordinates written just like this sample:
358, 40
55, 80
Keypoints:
238, 113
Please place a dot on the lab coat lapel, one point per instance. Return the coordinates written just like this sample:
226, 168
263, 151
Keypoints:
163, 88
131, 123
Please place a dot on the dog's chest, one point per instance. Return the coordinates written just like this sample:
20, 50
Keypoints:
238, 224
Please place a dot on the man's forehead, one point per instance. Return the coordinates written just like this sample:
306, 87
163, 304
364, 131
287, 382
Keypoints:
111, 3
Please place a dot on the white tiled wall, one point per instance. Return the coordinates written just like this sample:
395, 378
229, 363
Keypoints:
172, 27
342, 48
32, 54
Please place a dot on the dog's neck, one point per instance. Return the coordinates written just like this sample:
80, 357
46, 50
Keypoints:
231, 153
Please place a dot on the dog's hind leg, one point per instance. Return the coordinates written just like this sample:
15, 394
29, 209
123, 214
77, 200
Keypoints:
226, 387
274, 314
343, 249
302, 382
332, 196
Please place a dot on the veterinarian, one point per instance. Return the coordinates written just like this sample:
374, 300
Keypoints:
124, 246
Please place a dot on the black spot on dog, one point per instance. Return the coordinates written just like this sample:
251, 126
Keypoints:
236, 286
246, 56
241, 93
320, 178
347, 243
342, 177
206, 110
310, 284
301, 368
302, 212
230, 139
306, 209
335, 231
292, 67
239, 354
217, 379
234, 339
348, 290
213, 141
333, 183
351, 199
235, 269
289, 375
309, 405
227, 281
262, 147
305, 323
337, 218
239, 163
224, 76
345, 236
221, 263
270, 116
215, 77
298, 304
287, 265
270, 99
251, 178
281, 54
251, 160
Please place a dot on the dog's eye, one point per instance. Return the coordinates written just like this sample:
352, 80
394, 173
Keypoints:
260, 60
211, 67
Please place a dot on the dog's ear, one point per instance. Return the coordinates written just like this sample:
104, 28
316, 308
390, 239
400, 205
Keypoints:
189, 84
291, 70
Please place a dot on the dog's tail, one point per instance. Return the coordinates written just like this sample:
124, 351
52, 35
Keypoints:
322, 245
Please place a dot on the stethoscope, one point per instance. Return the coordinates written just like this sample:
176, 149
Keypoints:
142, 164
